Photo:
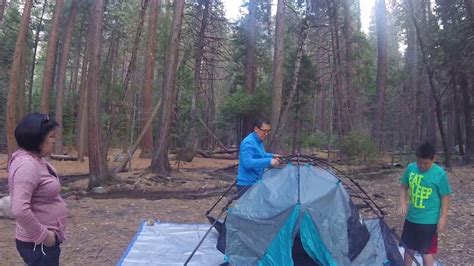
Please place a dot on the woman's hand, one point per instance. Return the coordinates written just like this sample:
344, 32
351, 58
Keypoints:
50, 239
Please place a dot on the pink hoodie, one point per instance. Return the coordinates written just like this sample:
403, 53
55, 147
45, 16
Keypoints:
36, 203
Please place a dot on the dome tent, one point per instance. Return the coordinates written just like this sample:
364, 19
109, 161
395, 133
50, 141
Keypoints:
303, 214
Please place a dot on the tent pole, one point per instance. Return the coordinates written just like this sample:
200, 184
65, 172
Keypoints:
208, 231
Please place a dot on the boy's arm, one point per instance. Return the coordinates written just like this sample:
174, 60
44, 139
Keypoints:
403, 200
444, 213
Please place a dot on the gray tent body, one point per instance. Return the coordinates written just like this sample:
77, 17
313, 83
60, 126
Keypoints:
305, 203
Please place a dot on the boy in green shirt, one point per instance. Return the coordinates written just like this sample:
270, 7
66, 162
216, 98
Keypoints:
425, 205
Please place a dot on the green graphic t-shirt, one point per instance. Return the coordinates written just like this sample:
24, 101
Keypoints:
425, 191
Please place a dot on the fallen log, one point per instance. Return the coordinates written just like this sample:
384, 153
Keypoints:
232, 166
58, 157
212, 154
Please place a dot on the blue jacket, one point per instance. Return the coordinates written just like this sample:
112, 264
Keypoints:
253, 159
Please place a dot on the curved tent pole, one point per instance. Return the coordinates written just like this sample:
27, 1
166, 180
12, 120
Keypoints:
208, 231
220, 198
288, 159
216, 220
382, 213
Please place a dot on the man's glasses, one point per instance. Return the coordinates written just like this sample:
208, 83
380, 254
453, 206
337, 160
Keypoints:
266, 131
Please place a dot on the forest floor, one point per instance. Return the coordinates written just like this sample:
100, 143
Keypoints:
100, 226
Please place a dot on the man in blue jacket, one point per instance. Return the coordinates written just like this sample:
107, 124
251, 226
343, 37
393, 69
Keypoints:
253, 159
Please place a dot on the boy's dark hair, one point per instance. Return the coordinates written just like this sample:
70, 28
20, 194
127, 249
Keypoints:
426, 151
32, 130
259, 122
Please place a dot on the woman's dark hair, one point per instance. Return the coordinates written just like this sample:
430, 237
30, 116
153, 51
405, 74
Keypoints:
32, 130
426, 151
259, 122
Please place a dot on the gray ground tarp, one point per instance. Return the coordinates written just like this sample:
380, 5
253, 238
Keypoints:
171, 244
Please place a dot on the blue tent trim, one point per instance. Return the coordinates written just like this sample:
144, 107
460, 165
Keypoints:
279, 251
312, 242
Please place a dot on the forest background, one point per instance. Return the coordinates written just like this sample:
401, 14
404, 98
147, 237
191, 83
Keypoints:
182, 78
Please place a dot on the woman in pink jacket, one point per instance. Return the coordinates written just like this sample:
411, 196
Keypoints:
37, 206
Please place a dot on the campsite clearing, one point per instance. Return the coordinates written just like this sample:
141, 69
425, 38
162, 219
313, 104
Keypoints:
101, 225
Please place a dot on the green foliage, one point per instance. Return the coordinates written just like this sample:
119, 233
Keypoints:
366, 70
358, 146
240, 103
318, 140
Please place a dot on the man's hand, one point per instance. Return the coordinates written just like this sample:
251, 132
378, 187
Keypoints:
442, 225
50, 239
402, 210
275, 162
277, 156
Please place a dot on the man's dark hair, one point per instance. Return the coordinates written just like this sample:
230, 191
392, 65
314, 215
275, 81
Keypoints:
32, 131
426, 151
259, 122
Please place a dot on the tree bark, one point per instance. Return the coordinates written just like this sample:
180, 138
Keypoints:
434, 92
3, 3
33, 61
81, 125
20, 91
75, 70
193, 142
410, 85
295, 79
126, 96
377, 128
470, 8
348, 32
277, 75
48, 72
340, 108
58, 146
466, 96
457, 114
99, 173
15, 74
250, 69
147, 95
160, 163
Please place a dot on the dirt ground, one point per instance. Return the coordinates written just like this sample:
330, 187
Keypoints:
100, 226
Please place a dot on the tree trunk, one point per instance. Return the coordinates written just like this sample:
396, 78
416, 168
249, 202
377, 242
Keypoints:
277, 75
466, 96
160, 163
107, 82
127, 96
410, 85
99, 173
340, 108
33, 61
3, 3
377, 128
147, 98
348, 32
457, 114
434, 92
193, 142
451, 130
20, 91
48, 72
58, 146
15, 74
250, 75
81, 125
295, 79
75, 70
